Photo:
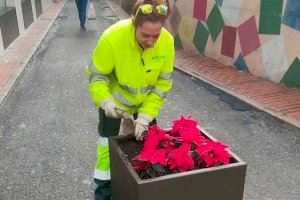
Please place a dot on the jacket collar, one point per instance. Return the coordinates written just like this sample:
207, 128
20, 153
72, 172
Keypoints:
133, 39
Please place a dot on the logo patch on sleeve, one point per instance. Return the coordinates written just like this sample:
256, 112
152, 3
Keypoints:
158, 58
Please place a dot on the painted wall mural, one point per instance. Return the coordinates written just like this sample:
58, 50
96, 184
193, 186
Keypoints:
261, 37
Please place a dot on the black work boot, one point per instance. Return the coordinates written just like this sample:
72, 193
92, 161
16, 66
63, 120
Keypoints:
103, 190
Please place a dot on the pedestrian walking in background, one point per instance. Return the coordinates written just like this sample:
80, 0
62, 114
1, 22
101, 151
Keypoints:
81, 7
130, 72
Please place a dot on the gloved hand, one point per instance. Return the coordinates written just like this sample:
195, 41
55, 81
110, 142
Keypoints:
110, 108
140, 127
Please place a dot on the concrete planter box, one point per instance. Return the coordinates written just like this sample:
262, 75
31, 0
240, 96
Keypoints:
216, 183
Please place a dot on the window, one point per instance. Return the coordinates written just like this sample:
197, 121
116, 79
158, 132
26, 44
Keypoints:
5, 5
2, 7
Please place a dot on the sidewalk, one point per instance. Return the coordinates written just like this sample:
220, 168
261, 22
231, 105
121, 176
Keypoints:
14, 59
275, 99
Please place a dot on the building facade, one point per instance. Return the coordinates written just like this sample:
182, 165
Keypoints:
16, 16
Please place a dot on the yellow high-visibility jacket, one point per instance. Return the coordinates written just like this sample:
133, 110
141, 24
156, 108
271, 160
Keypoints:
137, 79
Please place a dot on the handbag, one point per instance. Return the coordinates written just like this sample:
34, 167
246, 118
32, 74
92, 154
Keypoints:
91, 12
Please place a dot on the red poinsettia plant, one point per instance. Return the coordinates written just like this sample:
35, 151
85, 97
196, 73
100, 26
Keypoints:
180, 149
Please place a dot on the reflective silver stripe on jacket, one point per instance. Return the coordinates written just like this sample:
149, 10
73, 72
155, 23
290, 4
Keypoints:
166, 76
122, 99
160, 93
145, 89
96, 76
93, 68
130, 89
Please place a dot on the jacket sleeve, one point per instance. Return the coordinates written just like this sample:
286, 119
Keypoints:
101, 66
156, 96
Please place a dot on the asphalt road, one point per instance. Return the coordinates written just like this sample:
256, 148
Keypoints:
48, 123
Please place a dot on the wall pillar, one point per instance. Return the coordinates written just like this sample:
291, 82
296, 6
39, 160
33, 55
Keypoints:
17, 5
9, 26
33, 7
1, 43
46, 4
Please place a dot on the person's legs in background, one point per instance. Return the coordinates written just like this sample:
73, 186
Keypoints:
81, 7
78, 4
83, 13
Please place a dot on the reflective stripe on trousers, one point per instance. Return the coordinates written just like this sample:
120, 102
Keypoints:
102, 169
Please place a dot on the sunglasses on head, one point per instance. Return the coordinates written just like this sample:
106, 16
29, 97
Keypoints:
147, 9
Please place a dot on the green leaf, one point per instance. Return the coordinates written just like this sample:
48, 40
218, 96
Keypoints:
142, 173
195, 155
151, 172
158, 167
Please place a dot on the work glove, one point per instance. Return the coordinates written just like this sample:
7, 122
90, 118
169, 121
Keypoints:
110, 108
141, 125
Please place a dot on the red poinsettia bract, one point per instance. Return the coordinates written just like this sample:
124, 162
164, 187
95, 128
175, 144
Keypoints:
181, 149
181, 158
213, 152
183, 123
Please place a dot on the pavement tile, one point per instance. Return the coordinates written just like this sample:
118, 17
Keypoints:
3, 79
38, 28
295, 114
278, 105
263, 93
52, 11
289, 108
274, 105
260, 95
281, 97
7, 69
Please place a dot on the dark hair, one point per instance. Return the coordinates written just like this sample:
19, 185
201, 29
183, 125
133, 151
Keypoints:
139, 18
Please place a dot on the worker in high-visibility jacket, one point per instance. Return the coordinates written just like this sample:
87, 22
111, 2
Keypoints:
130, 71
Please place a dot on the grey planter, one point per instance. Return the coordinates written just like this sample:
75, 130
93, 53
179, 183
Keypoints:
216, 183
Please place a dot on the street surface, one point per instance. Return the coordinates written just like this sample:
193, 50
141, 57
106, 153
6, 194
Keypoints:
48, 123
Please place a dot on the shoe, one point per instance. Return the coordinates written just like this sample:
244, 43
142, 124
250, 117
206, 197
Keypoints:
82, 27
103, 190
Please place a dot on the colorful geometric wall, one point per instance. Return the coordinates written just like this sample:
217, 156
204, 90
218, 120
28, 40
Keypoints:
261, 37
